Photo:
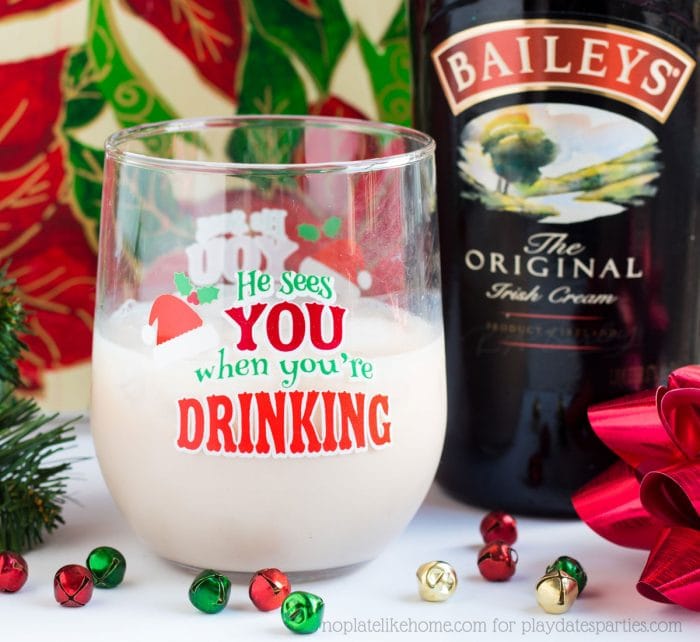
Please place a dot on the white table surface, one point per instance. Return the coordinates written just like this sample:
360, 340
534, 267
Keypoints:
152, 602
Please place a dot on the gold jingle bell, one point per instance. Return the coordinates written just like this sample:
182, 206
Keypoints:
436, 581
556, 591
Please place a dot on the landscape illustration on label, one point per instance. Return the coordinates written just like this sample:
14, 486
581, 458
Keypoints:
558, 163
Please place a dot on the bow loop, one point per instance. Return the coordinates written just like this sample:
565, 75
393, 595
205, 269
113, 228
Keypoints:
679, 410
672, 572
657, 436
672, 495
611, 506
630, 427
686, 377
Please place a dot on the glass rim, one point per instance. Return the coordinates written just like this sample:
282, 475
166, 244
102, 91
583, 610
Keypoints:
114, 150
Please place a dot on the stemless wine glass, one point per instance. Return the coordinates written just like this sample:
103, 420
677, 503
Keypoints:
268, 361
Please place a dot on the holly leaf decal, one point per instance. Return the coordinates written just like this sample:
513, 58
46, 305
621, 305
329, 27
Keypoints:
331, 228
182, 283
308, 232
207, 294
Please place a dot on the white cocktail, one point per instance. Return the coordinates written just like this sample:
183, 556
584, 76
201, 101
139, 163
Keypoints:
268, 362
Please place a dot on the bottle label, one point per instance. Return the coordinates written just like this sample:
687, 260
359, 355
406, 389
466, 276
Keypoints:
535, 168
501, 58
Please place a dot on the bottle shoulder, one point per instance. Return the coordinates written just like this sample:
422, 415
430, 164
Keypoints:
679, 19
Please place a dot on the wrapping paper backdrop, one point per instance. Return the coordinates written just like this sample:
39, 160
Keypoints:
73, 71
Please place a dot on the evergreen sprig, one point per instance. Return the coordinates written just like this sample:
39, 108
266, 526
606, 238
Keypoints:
32, 479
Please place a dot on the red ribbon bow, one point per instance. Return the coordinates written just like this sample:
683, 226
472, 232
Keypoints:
651, 499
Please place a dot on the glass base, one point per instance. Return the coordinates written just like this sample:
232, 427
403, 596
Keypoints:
243, 577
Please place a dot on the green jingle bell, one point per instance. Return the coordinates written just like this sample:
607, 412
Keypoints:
107, 566
302, 612
210, 591
571, 567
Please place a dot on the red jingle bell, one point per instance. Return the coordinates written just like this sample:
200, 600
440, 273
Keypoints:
13, 572
498, 525
72, 585
497, 561
268, 589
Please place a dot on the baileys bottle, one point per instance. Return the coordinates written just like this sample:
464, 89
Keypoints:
567, 166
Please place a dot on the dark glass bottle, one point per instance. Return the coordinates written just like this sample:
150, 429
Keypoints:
567, 198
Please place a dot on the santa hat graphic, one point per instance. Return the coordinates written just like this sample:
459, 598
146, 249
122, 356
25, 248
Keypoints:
343, 260
176, 331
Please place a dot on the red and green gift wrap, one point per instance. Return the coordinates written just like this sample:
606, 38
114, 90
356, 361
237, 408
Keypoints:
106, 64
651, 498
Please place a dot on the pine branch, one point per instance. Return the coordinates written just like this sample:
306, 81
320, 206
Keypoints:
32, 480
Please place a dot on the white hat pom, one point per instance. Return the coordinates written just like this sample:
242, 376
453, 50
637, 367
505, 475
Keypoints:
364, 280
